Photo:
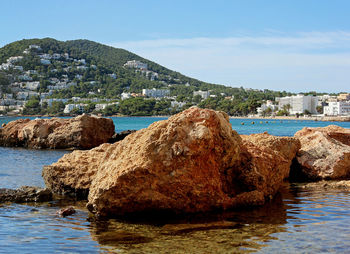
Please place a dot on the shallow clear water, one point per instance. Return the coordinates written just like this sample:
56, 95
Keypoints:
298, 220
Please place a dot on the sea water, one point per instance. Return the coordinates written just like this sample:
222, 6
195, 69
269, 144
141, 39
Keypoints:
297, 220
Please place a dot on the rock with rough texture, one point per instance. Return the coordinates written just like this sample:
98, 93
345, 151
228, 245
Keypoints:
192, 162
324, 153
25, 194
74, 172
266, 162
81, 132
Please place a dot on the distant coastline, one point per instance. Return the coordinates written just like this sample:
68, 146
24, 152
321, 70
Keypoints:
270, 118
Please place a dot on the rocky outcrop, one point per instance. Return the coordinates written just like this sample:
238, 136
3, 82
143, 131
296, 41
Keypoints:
267, 161
192, 162
81, 132
25, 194
324, 153
74, 172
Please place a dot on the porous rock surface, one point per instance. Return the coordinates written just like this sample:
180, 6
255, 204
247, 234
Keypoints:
267, 161
192, 162
73, 173
324, 153
81, 132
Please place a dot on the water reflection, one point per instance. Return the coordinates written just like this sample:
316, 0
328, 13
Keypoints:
237, 231
297, 220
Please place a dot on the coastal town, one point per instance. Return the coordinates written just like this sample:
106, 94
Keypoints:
49, 73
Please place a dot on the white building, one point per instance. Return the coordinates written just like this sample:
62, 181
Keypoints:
33, 46
69, 107
31, 85
26, 95
265, 106
18, 67
56, 56
61, 85
113, 75
14, 59
102, 106
50, 101
156, 93
82, 68
6, 66
299, 103
337, 108
136, 64
45, 56
203, 94
176, 104
31, 72
65, 55
45, 61
25, 77
125, 96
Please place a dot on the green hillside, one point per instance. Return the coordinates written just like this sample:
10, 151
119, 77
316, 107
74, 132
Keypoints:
52, 69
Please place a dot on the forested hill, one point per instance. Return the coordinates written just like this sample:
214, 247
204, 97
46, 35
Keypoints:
103, 56
36, 72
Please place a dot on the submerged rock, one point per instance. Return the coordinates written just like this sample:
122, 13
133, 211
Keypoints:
82, 132
324, 153
176, 229
329, 185
25, 194
64, 212
192, 162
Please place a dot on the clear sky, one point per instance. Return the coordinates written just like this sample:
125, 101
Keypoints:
292, 45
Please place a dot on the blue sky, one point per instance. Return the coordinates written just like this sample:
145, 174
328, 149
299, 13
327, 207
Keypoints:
281, 45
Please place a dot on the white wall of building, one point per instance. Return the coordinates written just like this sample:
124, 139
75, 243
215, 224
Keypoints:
299, 103
337, 108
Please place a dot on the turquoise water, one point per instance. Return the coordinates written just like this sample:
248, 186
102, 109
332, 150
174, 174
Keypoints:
298, 220
274, 127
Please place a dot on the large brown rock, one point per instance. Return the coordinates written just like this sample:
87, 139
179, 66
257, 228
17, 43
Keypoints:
267, 161
324, 153
74, 172
192, 162
82, 132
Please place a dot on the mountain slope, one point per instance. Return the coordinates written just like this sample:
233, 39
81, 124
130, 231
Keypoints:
109, 57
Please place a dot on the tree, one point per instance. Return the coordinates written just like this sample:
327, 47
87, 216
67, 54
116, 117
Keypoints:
319, 109
307, 112
32, 106
56, 108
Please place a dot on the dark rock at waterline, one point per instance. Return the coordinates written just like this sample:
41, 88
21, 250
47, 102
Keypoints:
25, 194
64, 212
120, 136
